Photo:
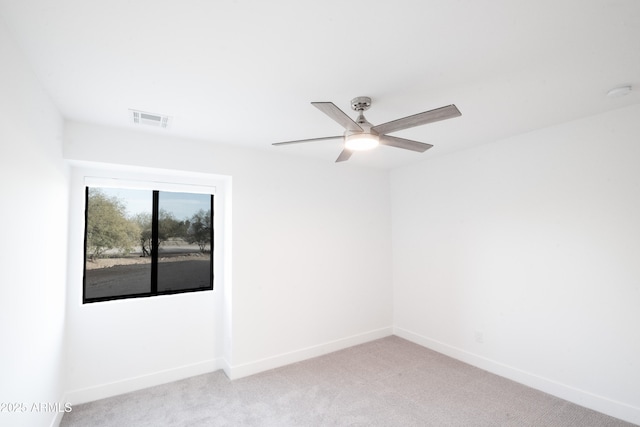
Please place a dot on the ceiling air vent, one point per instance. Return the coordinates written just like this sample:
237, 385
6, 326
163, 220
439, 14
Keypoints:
150, 119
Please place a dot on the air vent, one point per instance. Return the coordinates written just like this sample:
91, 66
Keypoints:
150, 119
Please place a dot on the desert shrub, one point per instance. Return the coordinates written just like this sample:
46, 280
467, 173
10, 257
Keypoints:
108, 227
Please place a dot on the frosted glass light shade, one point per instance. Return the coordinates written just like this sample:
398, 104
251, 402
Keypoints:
361, 141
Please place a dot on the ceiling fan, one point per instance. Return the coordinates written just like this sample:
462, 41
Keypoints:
362, 135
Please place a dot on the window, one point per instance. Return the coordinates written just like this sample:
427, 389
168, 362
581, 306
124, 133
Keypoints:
141, 242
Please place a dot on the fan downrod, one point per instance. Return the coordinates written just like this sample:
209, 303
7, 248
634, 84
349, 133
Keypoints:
361, 103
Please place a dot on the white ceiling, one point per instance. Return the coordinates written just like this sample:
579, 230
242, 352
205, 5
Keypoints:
244, 72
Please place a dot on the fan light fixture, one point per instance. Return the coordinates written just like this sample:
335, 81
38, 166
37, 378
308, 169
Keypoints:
361, 141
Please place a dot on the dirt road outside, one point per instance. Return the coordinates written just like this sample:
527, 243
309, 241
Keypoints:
129, 275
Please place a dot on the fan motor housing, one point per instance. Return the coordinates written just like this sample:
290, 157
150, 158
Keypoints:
361, 103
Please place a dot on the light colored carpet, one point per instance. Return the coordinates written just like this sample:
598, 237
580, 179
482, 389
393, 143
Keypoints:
388, 382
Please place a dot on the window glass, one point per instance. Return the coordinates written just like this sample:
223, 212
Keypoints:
184, 241
117, 242
146, 242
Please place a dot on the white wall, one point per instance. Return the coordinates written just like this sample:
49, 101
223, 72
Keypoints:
34, 194
522, 257
310, 260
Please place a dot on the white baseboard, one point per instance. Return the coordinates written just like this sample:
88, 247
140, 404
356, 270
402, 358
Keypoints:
243, 370
226, 368
580, 397
102, 391
57, 417
89, 394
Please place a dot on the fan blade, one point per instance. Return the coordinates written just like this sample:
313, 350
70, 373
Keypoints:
337, 115
407, 144
442, 113
344, 155
299, 141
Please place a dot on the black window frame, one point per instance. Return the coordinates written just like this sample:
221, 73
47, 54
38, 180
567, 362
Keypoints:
154, 253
